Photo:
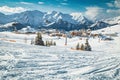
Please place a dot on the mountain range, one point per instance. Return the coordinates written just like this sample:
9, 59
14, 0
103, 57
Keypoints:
55, 20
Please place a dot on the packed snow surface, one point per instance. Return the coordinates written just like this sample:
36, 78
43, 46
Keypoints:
23, 61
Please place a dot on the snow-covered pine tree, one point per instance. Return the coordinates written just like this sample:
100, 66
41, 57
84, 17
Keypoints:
51, 42
38, 40
46, 43
54, 43
87, 46
82, 47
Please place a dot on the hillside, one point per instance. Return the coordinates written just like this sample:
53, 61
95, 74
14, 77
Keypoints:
21, 60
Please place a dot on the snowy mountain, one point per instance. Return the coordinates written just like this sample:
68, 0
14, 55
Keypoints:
78, 17
39, 19
99, 25
57, 20
33, 18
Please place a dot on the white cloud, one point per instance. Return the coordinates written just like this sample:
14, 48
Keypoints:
96, 13
9, 10
26, 3
110, 4
93, 12
113, 13
115, 4
41, 3
64, 3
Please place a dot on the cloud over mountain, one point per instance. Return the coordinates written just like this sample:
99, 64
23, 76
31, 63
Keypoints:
6, 9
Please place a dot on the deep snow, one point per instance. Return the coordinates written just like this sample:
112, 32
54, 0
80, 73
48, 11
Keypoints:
22, 61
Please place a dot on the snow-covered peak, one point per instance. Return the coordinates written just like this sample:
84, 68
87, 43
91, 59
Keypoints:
53, 16
74, 18
52, 12
77, 16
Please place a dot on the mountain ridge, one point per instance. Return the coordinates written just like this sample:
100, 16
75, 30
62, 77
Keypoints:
57, 20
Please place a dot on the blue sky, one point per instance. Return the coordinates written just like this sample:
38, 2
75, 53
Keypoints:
90, 8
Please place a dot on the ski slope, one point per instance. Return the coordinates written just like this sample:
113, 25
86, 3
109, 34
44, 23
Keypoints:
23, 61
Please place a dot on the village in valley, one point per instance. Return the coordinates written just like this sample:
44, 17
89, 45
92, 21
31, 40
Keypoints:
83, 35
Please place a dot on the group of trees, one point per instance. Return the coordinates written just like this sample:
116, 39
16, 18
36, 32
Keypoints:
84, 47
39, 41
50, 43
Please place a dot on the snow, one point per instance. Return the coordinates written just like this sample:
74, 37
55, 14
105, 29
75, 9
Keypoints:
8, 25
27, 29
78, 17
109, 30
115, 20
49, 24
23, 61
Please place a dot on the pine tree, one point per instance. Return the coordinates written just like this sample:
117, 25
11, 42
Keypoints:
38, 40
82, 47
77, 47
51, 42
54, 44
87, 46
46, 43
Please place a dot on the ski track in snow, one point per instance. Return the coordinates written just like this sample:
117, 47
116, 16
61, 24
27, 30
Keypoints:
29, 62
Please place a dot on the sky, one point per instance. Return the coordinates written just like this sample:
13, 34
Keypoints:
93, 9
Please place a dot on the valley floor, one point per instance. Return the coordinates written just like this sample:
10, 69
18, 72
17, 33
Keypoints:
23, 61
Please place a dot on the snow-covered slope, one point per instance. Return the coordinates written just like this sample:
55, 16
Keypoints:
20, 60
109, 30
27, 29
11, 26
113, 21
8, 25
